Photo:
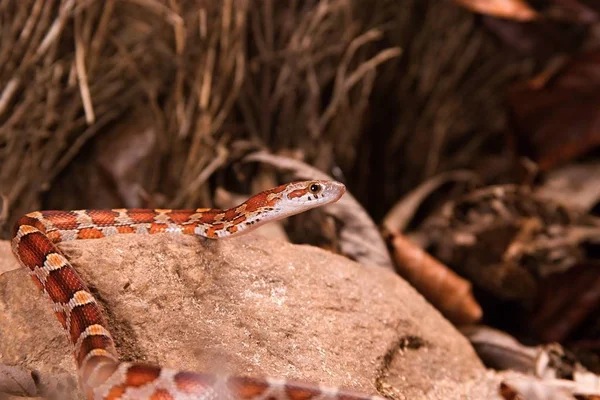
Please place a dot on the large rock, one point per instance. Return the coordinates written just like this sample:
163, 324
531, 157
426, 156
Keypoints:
249, 306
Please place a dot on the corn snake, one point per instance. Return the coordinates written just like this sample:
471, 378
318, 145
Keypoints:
101, 374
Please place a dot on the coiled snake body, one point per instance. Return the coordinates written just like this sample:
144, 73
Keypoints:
101, 374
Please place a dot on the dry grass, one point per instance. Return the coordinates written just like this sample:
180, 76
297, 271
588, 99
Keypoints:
355, 90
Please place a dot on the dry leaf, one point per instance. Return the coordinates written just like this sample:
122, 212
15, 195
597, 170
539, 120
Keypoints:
575, 185
529, 388
517, 10
557, 121
501, 351
441, 286
359, 237
398, 218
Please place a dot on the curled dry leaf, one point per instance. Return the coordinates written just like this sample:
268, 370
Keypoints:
359, 237
517, 10
398, 218
505, 239
441, 286
530, 388
501, 351
573, 184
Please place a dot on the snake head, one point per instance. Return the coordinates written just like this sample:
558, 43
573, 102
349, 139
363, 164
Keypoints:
301, 196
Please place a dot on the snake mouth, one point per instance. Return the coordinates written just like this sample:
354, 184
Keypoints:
336, 190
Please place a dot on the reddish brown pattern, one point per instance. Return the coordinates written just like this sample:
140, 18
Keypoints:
188, 229
157, 228
301, 393
239, 220
90, 233
33, 249
60, 315
161, 394
141, 216
297, 193
82, 317
90, 343
103, 217
63, 220
230, 214
62, 283
208, 217
192, 383
257, 202
180, 216
54, 236
116, 392
125, 229
29, 221
247, 388
139, 374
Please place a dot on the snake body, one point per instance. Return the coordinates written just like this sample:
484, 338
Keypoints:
101, 374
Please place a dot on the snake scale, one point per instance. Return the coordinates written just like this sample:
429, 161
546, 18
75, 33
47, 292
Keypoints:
101, 374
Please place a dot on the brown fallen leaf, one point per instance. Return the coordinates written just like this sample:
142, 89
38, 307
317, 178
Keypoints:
360, 239
517, 10
557, 121
441, 286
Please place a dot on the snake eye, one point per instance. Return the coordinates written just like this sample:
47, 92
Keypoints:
314, 188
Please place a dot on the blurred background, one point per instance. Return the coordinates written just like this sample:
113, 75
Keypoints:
469, 129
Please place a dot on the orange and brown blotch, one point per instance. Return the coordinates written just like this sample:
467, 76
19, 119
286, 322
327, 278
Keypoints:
192, 383
247, 388
125, 229
63, 220
301, 393
62, 318
161, 394
93, 342
180, 216
212, 231
62, 284
257, 202
33, 249
230, 214
30, 221
141, 215
116, 392
139, 375
102, 217
232, 229
82, 317
239, 220
157, 228
90, 233
297, 193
